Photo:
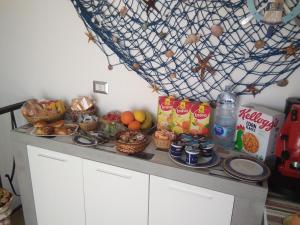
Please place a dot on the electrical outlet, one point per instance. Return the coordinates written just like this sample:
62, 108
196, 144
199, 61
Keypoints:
100, 87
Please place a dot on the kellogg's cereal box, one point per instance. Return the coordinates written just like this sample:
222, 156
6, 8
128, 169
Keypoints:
164, 112
181, 116
257, 128
200, 114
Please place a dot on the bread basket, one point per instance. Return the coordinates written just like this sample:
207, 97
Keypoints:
46, 110
48, 118
88, 126
76, 114
130, 147
163, 144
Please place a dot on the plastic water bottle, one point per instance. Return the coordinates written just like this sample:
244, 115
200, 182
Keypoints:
225, 119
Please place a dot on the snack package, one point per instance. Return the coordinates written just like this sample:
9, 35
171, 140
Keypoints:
181, 116
164, 112
200, 114
257, 128
82, 103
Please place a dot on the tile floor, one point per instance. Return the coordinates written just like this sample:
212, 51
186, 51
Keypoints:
17, 218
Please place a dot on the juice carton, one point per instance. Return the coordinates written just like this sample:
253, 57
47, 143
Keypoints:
257, 128
164, 112
200, 114
181, 116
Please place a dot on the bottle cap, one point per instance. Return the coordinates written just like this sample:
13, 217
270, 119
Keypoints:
227, 96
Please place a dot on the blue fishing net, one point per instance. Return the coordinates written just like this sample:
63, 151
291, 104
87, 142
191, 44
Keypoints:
153, 41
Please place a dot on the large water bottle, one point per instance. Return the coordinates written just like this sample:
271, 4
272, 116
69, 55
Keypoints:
225, 119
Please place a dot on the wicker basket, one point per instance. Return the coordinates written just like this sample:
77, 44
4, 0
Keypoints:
162, 144
131, 148
48, 118
76, 114
88, 126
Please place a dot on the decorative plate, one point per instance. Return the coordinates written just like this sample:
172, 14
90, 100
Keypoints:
203, 162
84, 141
246, 168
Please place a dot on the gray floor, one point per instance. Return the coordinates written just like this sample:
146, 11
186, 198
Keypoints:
17, 218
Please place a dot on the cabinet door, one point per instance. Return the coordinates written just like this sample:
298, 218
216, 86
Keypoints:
57, 185
114, 196
175, 203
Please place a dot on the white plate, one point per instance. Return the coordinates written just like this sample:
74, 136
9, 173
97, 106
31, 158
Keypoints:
246, 167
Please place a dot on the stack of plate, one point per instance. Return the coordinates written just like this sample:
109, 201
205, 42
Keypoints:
246, 168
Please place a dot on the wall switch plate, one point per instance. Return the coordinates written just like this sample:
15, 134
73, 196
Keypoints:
100, 87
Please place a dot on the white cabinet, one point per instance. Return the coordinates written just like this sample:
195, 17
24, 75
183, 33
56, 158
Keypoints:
114, 196
57, 187
175, 203
72, 191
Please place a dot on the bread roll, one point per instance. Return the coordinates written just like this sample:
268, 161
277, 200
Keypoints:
61, 131
57, 124
44, 131
40, 124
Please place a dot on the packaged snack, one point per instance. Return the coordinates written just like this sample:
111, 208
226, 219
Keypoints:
200, 114
181, 116
257, 128
164, 112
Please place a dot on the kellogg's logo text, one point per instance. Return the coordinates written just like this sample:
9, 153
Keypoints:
256, 117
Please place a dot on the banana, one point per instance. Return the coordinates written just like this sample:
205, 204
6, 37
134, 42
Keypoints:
148, 121
60, 107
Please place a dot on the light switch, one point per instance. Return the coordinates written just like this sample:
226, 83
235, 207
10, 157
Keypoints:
100, 87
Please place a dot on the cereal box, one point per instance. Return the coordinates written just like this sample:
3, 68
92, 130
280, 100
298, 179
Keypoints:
257, 128
200, 114
164, 112
181, 116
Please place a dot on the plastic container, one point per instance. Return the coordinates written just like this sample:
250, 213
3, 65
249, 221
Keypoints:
176, 150
192, 155
206, 148
225, 119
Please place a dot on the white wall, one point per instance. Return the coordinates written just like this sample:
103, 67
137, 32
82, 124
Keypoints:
44, 53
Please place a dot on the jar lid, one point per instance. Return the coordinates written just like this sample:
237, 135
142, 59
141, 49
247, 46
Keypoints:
207, 145
191, 150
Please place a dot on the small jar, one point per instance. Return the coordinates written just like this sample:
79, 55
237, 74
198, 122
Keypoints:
192, 155
207, 148
176, 149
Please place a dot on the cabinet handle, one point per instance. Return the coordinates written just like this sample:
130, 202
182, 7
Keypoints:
114, 173
51, 157
182, 189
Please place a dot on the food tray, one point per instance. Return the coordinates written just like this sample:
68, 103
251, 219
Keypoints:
203, 162
74, 127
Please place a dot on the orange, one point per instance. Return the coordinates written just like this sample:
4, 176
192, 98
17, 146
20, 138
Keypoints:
127, 117
134, 125
186, 125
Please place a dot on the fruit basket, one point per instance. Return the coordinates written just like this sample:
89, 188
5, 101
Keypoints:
131, 142
48, 111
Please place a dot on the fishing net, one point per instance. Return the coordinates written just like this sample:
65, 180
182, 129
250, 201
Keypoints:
171, 45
